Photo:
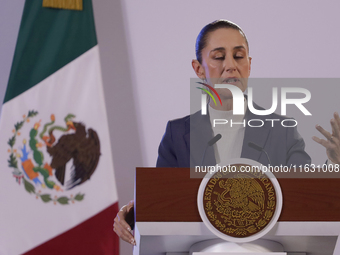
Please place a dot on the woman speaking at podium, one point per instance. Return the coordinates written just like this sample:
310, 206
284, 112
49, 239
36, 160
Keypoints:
222, 57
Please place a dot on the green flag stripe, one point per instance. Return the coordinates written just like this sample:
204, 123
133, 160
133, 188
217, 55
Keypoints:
48, 40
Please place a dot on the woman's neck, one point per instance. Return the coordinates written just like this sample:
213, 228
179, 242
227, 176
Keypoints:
227, 105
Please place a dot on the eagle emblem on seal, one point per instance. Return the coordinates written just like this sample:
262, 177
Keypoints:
243, 193
239, 205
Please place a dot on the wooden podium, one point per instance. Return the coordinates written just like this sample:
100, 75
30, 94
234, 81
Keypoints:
168, 222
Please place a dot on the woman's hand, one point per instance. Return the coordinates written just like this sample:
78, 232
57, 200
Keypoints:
121, 227
332, 144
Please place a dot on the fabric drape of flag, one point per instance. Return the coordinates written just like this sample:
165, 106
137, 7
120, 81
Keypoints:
57, 186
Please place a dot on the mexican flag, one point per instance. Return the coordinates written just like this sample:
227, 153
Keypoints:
57, 186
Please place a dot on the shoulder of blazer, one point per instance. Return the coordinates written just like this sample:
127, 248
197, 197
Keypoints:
190, 120
250, 115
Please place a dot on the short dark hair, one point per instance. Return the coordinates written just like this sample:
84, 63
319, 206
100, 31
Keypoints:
202, 37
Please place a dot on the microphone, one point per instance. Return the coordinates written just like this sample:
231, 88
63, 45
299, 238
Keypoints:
211, 143
214, 139
259, 148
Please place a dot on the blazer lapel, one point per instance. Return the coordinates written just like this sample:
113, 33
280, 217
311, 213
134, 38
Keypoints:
256, 135
198, 134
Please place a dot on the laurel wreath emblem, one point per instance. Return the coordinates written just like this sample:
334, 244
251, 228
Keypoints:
22, 178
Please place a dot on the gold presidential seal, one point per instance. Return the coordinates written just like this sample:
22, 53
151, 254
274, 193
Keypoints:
239, 204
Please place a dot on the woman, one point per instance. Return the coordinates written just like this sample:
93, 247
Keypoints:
222, 52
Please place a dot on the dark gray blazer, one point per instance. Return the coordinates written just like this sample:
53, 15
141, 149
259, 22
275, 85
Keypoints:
284, 145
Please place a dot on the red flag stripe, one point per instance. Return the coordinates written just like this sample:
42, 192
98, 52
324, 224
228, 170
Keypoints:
93, 236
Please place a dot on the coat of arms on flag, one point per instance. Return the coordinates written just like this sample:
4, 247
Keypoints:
35, 152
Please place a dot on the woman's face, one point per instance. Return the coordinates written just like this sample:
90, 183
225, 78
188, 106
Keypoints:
225, 59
